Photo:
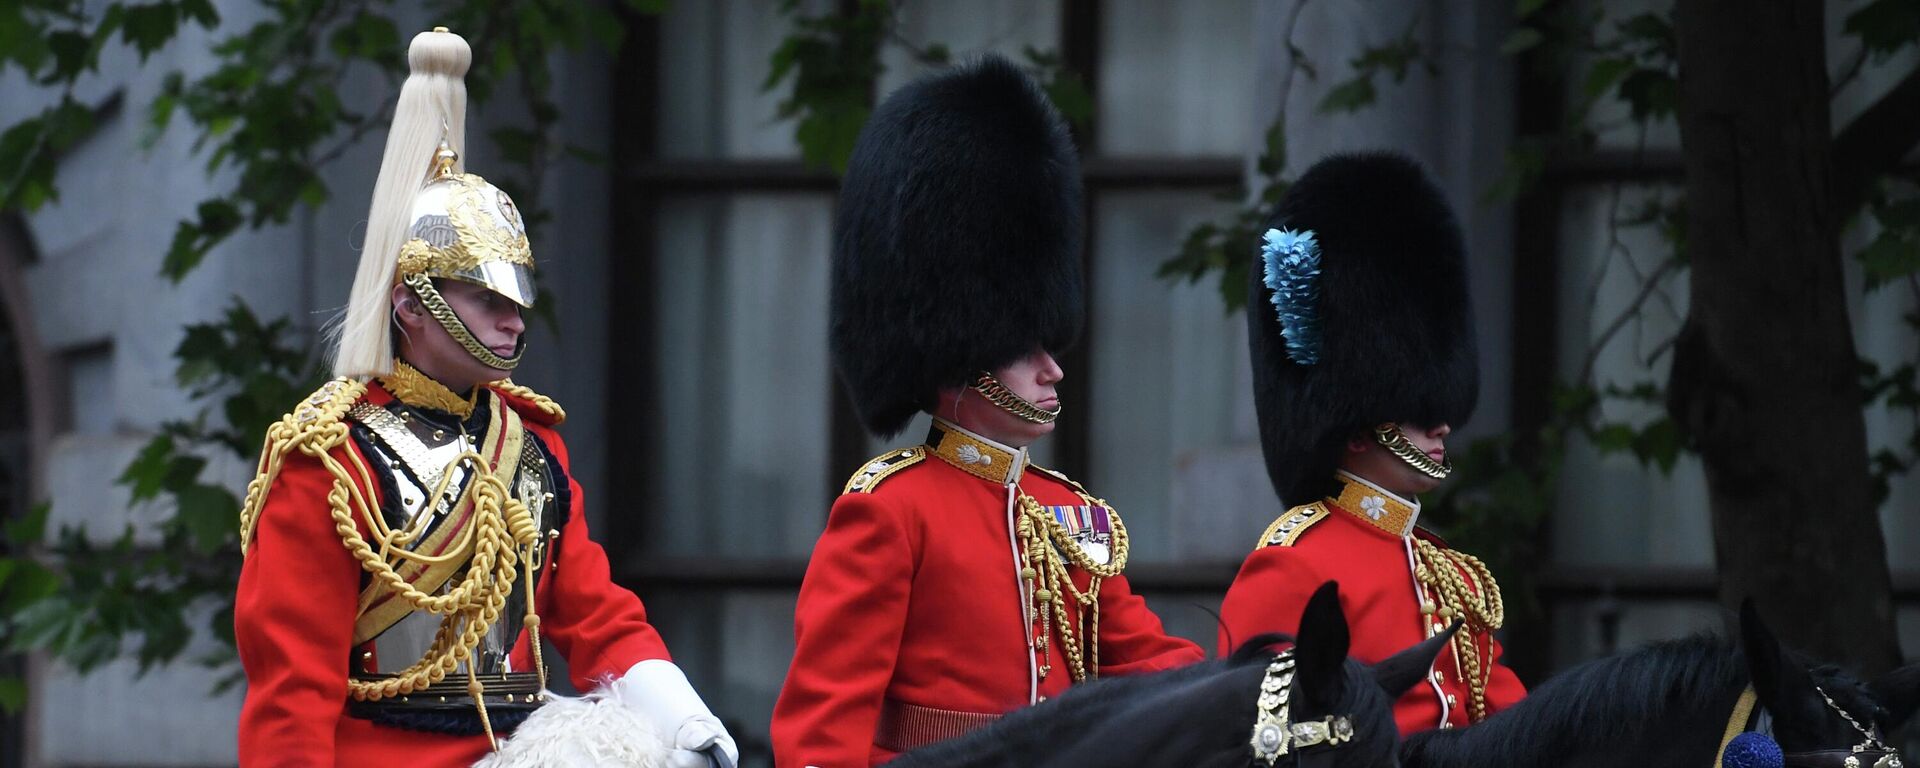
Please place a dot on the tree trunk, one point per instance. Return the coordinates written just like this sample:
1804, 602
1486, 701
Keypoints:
1765, 380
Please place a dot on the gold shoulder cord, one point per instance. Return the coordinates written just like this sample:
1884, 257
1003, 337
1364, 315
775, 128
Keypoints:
545, 404
1446, 574
1047, 548
500, 538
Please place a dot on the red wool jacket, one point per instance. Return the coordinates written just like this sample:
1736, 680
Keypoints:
1378, 594
911, 597
294, 615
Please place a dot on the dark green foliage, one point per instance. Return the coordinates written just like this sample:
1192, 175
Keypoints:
270, 116
1392, 59
833, 63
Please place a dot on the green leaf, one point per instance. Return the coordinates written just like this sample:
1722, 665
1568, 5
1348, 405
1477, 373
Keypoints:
1349, 96
1653, 32
1885, 26
517, 145
22, 39
149, 27
147, 474
650, 7
29, 528
160, 112
1613, 438
1072, 98
30, 582
1522, 39
209, 514
70, 51
1889, 257
1659, 443
13, 695
183, 254
1525, 8
1525, 162
201, 12
1605, 74
367, 36
41, 625
1652, 93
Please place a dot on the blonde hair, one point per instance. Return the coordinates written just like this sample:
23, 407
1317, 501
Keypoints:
432, 107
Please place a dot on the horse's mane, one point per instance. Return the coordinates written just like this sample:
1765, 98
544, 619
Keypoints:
1025, 730
1595, 703
1201, 711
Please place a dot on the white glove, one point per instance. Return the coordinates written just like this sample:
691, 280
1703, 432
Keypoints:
659, 691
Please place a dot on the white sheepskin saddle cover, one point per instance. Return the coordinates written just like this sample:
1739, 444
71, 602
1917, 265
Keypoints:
588, 732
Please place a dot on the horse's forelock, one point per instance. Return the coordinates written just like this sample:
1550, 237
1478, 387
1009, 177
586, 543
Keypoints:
1258, 646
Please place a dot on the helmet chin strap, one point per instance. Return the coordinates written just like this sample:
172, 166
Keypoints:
442, 313
1389, 436
1004, 398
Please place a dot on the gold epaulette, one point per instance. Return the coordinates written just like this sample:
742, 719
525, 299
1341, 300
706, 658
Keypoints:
883, 467
552, 410
314, 426
1288, 528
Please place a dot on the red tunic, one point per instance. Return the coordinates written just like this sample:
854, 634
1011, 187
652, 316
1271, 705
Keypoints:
294, 615
1380, 598
912, 596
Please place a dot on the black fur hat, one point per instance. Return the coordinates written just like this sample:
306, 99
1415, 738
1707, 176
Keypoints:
957, 240
1393, 319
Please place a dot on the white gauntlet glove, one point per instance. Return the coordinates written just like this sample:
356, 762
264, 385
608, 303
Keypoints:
659, 691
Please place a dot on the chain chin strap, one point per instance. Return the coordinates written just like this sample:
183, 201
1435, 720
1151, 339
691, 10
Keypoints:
1396, 442
436, 305
998, 394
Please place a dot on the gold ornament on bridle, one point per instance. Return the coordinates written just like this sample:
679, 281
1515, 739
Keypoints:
1005, 399
1274, 735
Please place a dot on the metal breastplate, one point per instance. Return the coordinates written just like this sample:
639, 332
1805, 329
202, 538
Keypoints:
417, 449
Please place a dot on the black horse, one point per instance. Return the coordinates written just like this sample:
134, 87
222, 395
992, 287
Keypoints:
1669, 705
1203, 715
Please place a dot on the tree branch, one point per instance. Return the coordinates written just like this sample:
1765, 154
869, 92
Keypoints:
1874, 142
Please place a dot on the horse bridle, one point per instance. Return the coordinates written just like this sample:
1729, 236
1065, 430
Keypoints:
1871, 752
1273, 735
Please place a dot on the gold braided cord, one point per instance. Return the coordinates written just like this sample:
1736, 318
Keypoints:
1459, 585
1047, 548
500, 537
546, 405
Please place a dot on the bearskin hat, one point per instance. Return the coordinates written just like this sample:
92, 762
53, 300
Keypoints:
1382, 332
957, 239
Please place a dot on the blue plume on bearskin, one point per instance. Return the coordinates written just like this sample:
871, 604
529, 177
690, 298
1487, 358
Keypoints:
1383, 331
1291, 262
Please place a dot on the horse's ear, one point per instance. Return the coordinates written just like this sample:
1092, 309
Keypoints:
1899, 693
1781, 680
1405, 669
1320, 653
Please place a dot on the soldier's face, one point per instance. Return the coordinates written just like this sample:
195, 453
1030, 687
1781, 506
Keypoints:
493, 319
1369, 459
1034, 378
